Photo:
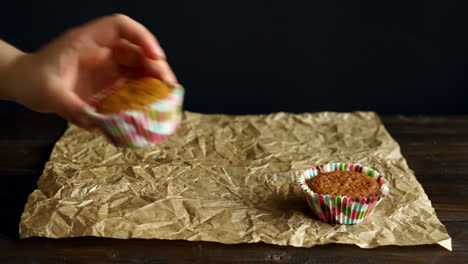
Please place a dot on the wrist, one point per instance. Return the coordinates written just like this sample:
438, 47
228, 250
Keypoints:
9, 59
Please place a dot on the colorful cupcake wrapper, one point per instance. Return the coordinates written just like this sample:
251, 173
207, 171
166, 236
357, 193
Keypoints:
140, 128
341, 209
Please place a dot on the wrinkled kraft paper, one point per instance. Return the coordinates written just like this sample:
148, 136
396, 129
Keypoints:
228, 179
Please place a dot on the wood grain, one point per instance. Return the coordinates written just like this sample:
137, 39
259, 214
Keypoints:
436, 148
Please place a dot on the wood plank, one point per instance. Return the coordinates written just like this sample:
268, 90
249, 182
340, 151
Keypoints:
100, 250
31, 126
26, 142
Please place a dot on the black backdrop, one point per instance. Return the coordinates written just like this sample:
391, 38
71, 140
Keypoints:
294, 56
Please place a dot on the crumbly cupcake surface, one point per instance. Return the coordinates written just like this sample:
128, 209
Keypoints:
344, 183
135, 94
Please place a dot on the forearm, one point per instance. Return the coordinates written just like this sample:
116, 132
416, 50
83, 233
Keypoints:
8, 56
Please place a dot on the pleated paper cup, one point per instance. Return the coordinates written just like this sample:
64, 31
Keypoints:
342, 209
140, 128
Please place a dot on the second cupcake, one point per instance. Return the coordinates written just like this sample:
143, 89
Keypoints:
141, 112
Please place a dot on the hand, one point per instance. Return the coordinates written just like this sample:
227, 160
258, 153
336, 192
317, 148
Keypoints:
60, 76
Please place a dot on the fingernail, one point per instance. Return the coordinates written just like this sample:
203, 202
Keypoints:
168, 78
159, 51
162, 54
89, 108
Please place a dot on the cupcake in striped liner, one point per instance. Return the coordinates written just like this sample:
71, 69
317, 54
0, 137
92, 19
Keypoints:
140, 112
342, 193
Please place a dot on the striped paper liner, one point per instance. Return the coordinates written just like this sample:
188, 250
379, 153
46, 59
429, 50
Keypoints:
140, 128
341, 209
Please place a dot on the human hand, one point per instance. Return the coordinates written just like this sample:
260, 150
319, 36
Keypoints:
59, 77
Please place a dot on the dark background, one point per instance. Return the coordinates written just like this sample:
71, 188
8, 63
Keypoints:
295, 56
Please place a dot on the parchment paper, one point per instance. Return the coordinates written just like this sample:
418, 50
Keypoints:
228, 179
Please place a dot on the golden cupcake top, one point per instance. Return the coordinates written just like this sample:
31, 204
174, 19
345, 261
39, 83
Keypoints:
347, 183
135, 94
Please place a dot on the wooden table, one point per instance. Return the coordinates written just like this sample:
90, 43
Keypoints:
436, 149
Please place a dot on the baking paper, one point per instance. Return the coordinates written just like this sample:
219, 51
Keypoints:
229, 179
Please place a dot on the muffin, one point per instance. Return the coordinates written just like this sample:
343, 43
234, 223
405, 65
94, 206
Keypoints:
342, 193
345, 183
136, 94
140, 112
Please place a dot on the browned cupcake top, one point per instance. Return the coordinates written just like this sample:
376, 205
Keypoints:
135, 94
347, 183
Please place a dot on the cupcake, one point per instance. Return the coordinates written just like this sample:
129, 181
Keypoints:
140, 112
342, 193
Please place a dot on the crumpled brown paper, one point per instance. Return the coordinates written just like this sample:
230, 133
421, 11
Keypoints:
228, 179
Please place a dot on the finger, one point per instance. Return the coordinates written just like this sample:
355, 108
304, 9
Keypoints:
159, 69
137, 33
73, 109
131, 56
77, 43
94, 56
109, 30
128, 54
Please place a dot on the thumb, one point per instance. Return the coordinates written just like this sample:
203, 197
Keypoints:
73, 109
